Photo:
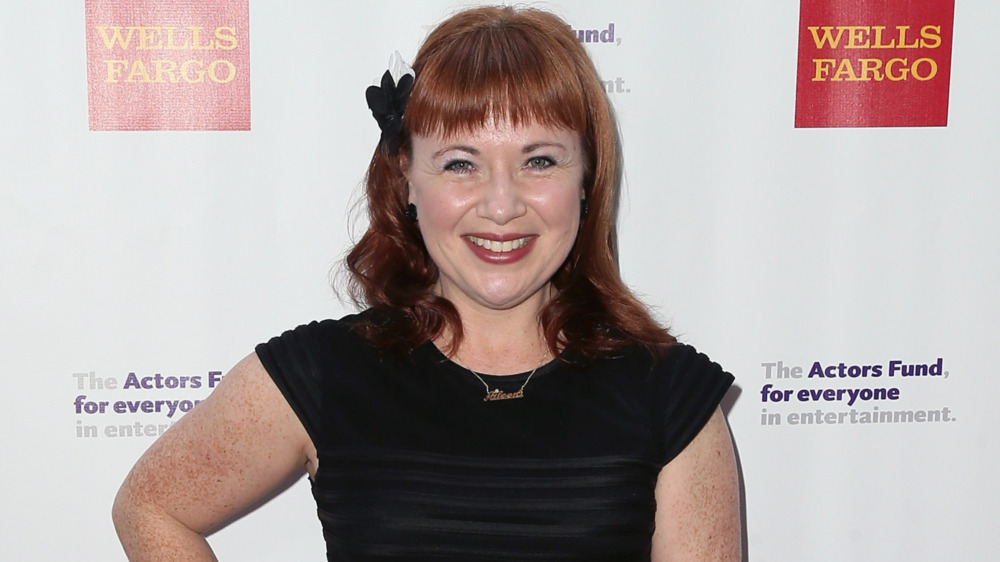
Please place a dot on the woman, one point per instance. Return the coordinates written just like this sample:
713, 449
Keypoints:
504, 396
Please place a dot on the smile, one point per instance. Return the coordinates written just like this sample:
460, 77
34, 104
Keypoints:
498, 246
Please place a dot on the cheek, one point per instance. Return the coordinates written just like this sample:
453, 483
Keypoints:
437, 216
562, 210
442, 202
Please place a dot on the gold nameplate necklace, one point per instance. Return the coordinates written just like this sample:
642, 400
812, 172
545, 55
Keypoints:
497, 394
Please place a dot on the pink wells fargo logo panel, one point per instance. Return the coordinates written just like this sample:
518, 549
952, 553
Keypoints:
874, 63
179, 65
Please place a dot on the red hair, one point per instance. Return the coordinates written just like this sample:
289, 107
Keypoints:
523, 66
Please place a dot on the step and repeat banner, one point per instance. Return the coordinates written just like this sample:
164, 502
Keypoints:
811, 196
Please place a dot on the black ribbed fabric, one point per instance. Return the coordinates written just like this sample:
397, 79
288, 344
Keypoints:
413, 465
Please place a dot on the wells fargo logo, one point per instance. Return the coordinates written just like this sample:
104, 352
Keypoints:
155, 65
874, 63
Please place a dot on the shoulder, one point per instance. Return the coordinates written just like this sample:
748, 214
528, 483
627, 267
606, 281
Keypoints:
687, 387
311, 363
681, 360
690, 378
311, 353
676, 363
328, 326
314, 335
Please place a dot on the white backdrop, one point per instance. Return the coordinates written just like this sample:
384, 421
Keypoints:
174, 253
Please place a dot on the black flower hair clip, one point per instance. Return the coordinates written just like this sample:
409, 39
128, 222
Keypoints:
388, 102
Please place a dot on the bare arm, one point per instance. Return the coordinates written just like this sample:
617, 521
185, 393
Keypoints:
698, 501
223, 455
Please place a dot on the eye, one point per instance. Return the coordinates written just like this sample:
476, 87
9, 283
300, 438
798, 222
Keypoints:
459, 166
540, 162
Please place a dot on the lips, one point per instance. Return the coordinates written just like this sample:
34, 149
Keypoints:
500, 248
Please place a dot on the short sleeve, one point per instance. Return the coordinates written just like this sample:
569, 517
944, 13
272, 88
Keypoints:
691, 387
294, 361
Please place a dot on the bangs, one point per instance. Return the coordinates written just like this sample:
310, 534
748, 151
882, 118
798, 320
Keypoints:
498, 71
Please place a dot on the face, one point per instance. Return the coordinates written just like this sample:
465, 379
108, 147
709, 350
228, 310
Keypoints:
499, 210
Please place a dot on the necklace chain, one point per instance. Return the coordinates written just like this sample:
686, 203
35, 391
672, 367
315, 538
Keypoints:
497, 394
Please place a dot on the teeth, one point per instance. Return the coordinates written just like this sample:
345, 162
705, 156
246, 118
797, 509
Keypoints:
498, 246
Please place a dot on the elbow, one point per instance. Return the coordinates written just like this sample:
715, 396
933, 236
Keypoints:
123, 512
133, 518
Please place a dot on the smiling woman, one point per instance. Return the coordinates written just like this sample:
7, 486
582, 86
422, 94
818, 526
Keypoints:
503, 396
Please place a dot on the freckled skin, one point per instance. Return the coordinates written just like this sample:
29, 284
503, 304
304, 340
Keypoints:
222, 456
697, 501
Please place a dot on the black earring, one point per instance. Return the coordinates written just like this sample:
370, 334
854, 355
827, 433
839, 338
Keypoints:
583, 208
411, 212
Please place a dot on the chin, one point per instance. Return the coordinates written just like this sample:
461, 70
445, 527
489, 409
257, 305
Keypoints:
506, 300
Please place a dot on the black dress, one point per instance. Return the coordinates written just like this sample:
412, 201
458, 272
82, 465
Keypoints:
414, 465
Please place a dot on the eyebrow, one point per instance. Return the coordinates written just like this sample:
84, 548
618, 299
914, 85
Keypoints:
475, 152
458, 147
543, 144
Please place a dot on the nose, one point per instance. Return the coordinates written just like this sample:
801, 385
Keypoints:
502, 200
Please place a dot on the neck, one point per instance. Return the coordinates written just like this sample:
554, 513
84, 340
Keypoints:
499, 342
